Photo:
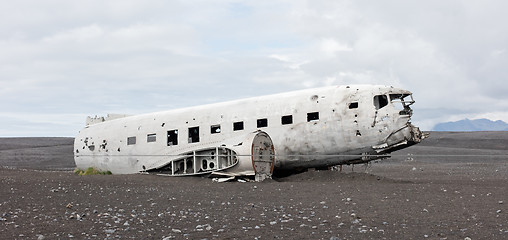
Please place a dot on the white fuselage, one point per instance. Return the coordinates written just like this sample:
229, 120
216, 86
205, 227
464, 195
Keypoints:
309, 128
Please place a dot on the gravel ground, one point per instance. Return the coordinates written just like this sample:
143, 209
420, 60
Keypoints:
410, 196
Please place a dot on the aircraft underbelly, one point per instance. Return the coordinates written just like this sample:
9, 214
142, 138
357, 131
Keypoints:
329, 148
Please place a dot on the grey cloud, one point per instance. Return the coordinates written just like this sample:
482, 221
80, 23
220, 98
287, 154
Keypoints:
62, 61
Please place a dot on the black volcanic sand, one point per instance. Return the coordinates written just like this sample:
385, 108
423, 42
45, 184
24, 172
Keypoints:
48, 153
410, 196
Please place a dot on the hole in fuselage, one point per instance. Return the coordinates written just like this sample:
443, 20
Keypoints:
204, 164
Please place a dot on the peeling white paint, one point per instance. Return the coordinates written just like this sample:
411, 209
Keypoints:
329, 126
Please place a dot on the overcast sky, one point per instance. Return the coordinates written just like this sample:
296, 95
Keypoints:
61, 61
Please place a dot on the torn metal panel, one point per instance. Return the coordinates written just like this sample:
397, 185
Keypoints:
197, 162
99, 119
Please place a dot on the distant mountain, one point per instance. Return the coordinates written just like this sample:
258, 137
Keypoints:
472, 125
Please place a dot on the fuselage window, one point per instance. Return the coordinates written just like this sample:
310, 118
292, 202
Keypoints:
172, 137
353, 105
262, 123
215, 129
151, 137
237, 126
380, 101
288, 119
131, 140
313, 116
193, 134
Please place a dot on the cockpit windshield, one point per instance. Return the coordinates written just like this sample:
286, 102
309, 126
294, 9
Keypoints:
402, 102
380, 101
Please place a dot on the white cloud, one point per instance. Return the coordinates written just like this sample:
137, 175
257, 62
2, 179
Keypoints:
79, 35
70, 59
330, 46
280, 57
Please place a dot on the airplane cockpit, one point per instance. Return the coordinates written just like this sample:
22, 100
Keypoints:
399, 101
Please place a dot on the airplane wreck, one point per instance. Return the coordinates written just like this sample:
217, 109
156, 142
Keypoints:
313, 128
